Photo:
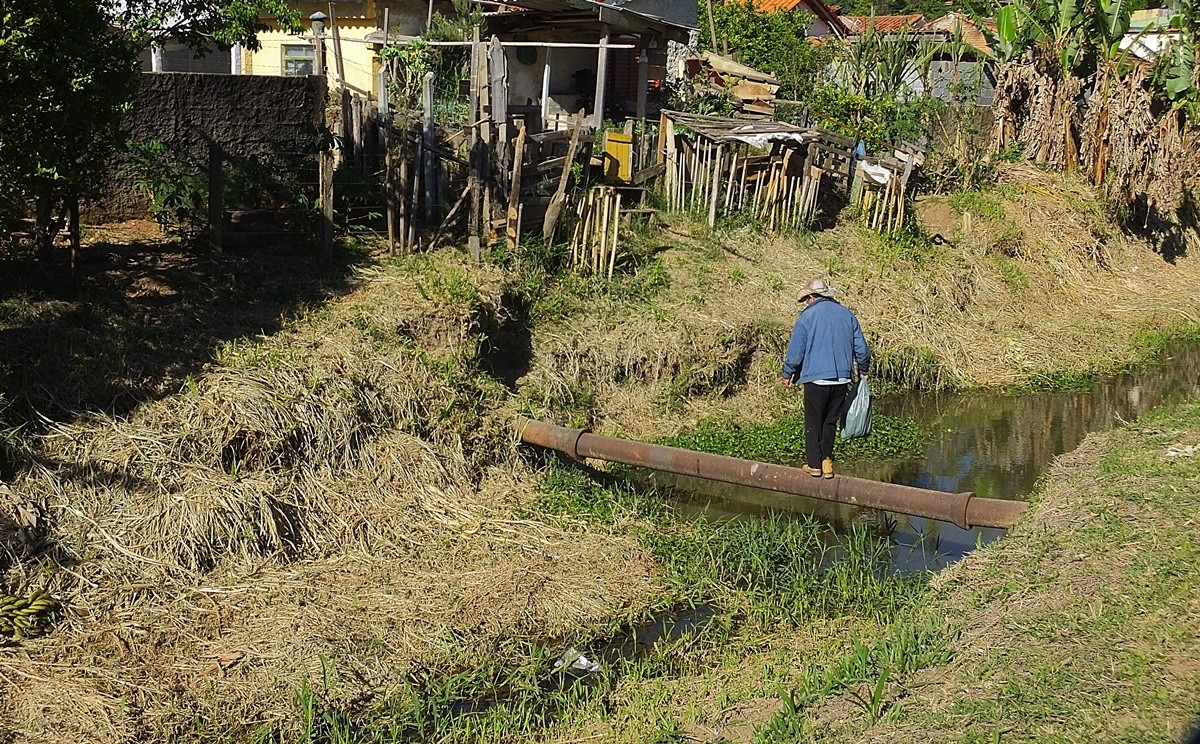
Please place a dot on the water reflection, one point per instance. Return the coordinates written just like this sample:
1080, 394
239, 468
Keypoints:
997, 446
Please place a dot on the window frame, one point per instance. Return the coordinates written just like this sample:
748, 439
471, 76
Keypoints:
287, 54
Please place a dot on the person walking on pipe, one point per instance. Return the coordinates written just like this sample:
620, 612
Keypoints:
826, 341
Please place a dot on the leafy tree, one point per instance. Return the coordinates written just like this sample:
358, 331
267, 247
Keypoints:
68, 81
1177, 74
774, 42
870, 94
202, 25
70, 70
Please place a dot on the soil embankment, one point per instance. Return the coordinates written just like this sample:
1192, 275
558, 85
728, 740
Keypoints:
267, 483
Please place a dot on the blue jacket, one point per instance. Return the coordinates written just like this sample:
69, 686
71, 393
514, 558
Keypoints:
826, 339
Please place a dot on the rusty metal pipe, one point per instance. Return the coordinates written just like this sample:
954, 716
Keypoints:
963, 509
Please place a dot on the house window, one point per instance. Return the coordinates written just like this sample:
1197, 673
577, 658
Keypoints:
298, 59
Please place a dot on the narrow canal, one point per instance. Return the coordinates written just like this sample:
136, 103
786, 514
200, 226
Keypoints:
995, 445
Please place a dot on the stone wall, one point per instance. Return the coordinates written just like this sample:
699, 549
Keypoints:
246, 115
250, 117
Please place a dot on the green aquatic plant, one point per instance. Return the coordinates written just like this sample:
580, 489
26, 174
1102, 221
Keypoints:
782, 441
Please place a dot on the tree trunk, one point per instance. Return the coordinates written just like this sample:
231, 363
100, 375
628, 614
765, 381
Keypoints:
44, 238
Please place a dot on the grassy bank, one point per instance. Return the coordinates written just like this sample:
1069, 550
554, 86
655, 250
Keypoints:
1080, 625
287, 506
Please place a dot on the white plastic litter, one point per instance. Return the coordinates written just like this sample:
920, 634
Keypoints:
574, 661
876, 173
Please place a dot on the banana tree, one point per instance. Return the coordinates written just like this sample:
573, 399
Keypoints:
1177, 74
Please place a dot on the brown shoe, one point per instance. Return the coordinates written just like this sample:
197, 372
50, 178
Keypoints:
827, 467
814, 472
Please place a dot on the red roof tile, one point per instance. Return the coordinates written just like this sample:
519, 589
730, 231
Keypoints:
773, 5
885, 24
816, 7
972, 34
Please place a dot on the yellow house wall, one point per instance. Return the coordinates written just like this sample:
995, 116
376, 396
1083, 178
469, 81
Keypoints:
355, 21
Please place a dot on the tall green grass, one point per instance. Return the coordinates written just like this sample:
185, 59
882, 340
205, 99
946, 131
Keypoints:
870, 674
776, 570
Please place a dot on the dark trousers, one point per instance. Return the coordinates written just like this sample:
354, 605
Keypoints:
823, 406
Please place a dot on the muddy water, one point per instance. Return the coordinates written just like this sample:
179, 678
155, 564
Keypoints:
997, 446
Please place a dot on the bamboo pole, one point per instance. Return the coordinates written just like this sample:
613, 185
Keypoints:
731, 183
742, 190
598, 250
612, 258
715, 186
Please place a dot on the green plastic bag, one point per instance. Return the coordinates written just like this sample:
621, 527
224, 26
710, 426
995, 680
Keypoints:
857, 421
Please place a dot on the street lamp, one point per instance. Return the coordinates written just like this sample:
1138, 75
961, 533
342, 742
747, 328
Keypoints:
318, 23
318, 28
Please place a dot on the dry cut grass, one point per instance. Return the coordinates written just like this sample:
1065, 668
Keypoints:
315, 500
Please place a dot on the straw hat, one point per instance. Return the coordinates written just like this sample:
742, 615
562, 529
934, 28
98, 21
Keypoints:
816, 287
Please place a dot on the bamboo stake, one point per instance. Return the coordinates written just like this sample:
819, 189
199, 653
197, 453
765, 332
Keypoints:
742, 190
598, 251
612, 258
672, 170
585, 223
729, 187
715, 188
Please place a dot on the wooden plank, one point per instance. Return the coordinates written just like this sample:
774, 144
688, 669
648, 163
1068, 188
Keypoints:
498, 94
550, 221
550, 135
601, 75
474, 183
546, 166
513, 226
647, 174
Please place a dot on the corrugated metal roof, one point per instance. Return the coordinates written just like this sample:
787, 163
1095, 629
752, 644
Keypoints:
678, 13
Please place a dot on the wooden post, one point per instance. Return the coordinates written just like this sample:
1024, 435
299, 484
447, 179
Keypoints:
498, 97
73, 231
338, 59
326, 168
389, 187
712, 27
319, 53
601, 75
216, 197
384, 104
427, 139
474, 147
643, 93
513, 226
